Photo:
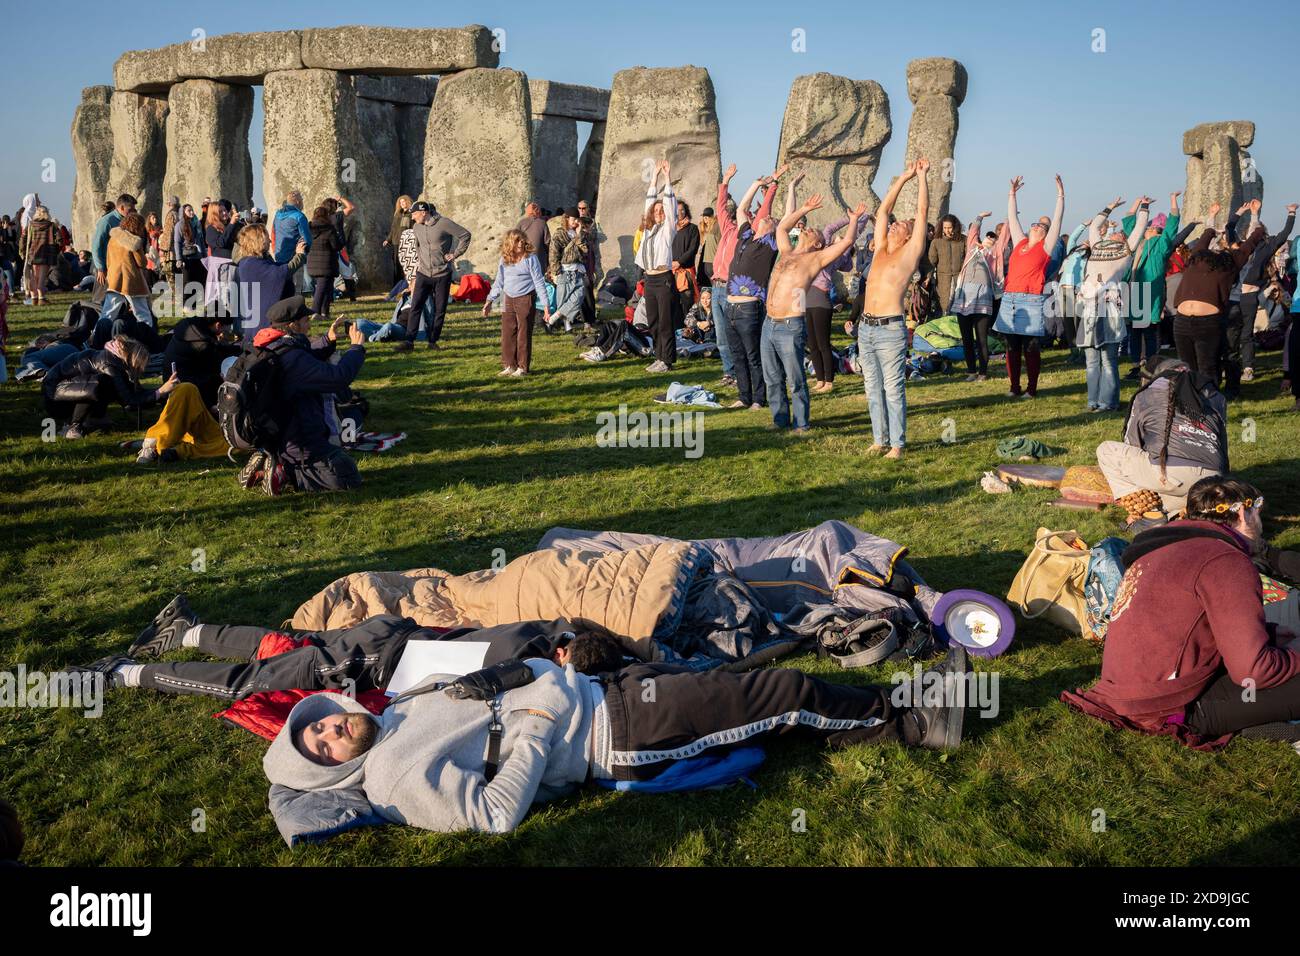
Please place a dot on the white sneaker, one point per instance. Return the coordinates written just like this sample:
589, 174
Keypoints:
148, 452
507, 371
519, 373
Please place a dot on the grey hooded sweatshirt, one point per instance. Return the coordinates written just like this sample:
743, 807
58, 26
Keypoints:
426, 766
439, 243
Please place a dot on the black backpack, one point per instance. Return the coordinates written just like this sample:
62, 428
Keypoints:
246, 399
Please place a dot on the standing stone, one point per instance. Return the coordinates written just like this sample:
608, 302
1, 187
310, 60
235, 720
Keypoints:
1193, 205
207, 143
379, 121
478, 159
589, 165
312, 141
1252, 183
1219, 169
936, 86
1220, 176
654, 114
555, 161
833, 132
412, 125
92, 152
139, 149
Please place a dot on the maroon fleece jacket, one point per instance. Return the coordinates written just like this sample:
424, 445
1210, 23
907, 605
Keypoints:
1184, 614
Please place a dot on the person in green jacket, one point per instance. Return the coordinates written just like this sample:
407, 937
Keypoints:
1148, 274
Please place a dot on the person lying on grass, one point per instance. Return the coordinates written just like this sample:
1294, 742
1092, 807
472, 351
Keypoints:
356, 659
1190, 651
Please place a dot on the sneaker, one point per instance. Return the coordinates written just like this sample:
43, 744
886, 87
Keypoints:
657, 366
1027, 395
1248, 375
1284, 730
28, 301
166, 631
404, 346
74, 432
250, 476
106, 666
758, 408
972, 377
981, 377
273, 479
148, 452
519, 373
801, 430
593, 354
435, 347
941, 724
738, 404
508, 370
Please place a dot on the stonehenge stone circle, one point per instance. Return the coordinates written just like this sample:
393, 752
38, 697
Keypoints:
589, 165
139, 129
586, 103
92, 151
412, 126
655, 113
398, 51
833, 132
238, 58
936, 86
1219, 169
378, 121
312, 141
412, 90
478, 160
207, 142
555, 161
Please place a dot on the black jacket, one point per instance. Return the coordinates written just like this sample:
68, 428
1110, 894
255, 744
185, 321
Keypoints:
323, 258
221, 242
306, 376
105, 369
686, 245
197, 354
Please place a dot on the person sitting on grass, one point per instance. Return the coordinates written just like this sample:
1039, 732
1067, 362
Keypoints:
1176, 434
185, 430
196, 350
353, 659
79, 388
304, 456
1189, 650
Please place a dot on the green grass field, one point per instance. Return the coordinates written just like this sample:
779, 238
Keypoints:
93, 545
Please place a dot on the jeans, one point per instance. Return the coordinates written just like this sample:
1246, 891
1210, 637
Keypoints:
1103, 376
746, 320
426, 315
138, 304
722, 325
570, 291
882, 353
1143, 343
781, 347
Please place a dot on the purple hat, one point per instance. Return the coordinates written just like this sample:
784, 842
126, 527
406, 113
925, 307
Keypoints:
1158, 222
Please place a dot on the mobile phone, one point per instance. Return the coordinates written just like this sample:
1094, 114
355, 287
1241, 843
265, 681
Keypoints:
173, 368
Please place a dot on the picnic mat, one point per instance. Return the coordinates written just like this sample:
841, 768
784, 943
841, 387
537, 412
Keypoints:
1086, 483
1032, 476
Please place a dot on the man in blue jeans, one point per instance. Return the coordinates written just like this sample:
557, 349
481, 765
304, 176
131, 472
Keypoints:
882, 332
785, 333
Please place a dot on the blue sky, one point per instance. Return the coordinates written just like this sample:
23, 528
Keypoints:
1040, 99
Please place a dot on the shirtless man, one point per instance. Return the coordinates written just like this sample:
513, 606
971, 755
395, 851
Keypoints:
882, 333
785, 334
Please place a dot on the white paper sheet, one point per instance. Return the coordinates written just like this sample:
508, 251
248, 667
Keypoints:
422, 658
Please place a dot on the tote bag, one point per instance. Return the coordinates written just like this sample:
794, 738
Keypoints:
1050, 584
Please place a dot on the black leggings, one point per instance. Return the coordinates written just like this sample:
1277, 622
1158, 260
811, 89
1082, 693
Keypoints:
975, 341
322, 296
1230, 355
1221, 709
1249, 308
819, 342
1199, 341
660, 295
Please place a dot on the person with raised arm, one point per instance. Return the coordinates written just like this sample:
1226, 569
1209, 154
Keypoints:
1021, 319
882, 332
974, 293
785, 331
655, 258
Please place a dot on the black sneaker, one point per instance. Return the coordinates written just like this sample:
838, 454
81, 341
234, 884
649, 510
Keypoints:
273, 478
250, 476
404, 346
941, 724
105, 666
1283, 730
165, 631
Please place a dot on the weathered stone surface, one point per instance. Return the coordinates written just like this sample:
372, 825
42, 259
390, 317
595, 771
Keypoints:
397, 51
146, 71
555, 161
1193, 205
478, 160
587, 103
833, 132
379, 127
139, 125
936, 76
654, 114
1252, 183
415, 90
412, 125
239, 58
1198, 137
589, 165
1220, 179
207, 143
312, 141
937, 86
92, 151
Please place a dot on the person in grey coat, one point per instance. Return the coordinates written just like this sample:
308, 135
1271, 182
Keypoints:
439, 242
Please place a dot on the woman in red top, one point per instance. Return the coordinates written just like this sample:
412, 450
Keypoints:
1020, 317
